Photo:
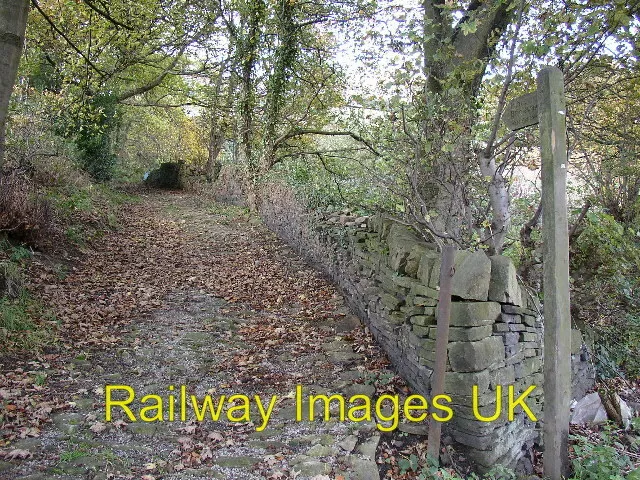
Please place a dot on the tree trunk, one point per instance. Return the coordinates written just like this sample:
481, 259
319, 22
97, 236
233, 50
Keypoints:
13, 24
499, 199
249, 55
216, 141
285, 57
447, 51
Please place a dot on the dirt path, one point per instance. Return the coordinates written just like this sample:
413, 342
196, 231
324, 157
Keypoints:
191, 294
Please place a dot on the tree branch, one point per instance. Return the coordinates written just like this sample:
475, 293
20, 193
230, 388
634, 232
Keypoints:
300, 132
157, 81
66, 39
104, 14
573, 231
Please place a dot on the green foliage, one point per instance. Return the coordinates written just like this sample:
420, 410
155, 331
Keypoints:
76, 235
427, 469
607, 248
94, 137
24, 323
605, 266
605, 458
334, 183
77, 201
20, 253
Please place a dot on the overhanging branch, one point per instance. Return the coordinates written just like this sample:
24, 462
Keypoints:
331, 133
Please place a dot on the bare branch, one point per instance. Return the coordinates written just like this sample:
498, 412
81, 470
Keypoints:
300, 132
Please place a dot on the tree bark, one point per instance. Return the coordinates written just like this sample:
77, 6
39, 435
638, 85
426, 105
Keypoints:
285, 56
249, 55
499, 199
13, 24
448, 49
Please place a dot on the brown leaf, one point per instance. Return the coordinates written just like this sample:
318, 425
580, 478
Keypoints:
98, 427
18, 454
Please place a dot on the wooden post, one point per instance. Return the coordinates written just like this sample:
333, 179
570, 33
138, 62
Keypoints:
442, 340
555, 239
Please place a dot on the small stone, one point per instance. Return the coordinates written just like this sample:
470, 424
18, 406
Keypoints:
349, 443
414, 428
369, 447
320, 451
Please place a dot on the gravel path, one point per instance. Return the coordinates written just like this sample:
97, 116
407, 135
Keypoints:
217, 345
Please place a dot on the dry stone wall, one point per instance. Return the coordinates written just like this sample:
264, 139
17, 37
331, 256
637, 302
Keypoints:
390, 278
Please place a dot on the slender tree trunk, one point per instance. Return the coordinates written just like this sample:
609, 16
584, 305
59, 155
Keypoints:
13, 24
249, 56
285, 57
216, 141
447, 48
499, 199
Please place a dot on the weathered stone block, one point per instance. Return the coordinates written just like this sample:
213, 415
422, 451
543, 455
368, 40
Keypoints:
511, 350
386, 278
390, 301
504, 286
412, 311
474, 426
528, 337
462, 383
423, 320
487, 410
474, 314
472, 276
429, 269
476, 356
515, 310
413, 259
401, 241
511, 338
424, 291
576, 341
510, 318
403, 281
420, 331
466, 334
531, 365
515, 358
483, 398
428, 348
425, 301
502, 376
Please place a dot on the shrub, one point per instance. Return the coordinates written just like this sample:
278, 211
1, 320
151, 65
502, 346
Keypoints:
600, 456
605, 265
24, 213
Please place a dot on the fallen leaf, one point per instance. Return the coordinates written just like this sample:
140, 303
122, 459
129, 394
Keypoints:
98, 427
18, 454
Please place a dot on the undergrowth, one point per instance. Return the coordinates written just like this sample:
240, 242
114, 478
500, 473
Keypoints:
609, 453
25, 324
